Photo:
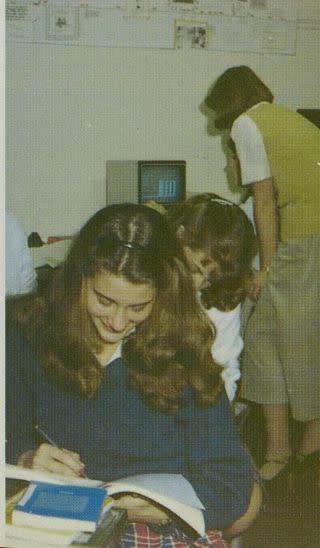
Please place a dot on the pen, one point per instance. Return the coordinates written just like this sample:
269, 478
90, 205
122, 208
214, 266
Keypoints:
50, 440
45, 436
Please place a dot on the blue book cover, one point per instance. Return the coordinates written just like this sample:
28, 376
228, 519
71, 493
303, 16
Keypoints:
62, 506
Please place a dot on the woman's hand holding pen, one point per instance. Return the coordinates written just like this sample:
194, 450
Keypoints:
49, 458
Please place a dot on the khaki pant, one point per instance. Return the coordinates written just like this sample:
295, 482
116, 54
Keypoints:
281, 359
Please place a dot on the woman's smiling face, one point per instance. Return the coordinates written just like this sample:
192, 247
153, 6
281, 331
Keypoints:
116, 305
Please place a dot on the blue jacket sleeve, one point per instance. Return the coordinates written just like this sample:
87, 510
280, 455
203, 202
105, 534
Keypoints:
217, 464
20, 397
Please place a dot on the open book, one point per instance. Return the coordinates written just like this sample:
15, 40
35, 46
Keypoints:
171, 491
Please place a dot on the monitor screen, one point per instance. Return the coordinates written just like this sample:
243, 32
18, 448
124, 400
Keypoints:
162, 181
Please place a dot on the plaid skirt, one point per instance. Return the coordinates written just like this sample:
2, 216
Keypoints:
139, 535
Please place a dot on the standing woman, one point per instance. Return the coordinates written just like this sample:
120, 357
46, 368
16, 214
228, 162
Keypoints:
114, 364
278, 151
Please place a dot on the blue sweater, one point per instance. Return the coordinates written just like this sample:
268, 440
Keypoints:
117, 434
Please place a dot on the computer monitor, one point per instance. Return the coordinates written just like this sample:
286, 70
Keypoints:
139, 181
161, 181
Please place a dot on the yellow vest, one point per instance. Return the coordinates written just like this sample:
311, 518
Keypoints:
293, 148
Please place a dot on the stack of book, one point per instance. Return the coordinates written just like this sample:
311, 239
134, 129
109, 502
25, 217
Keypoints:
60, 511
47, 514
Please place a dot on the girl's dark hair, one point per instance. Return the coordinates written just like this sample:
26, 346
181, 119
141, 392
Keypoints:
234, 92
169, 350
223, 231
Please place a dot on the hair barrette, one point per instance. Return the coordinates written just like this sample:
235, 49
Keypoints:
222, 201
127, 244
113, 241
130, 245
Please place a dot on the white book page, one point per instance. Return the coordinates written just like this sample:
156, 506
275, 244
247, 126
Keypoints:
28, 474
190, 514
171, 485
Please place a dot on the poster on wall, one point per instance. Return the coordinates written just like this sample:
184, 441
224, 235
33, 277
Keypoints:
268, 9
257, 26
190, 34
20, 21
62, 22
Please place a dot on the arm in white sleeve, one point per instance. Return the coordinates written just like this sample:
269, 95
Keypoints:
227, 345
251, 151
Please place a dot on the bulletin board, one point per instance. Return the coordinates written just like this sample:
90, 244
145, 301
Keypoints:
260, 26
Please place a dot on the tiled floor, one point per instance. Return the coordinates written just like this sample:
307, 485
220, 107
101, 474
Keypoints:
289, 518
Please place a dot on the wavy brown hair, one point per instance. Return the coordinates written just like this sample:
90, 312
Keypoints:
166, 353
223, 231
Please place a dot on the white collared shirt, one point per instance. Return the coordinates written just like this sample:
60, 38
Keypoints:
250, 148
227, 346
117, 354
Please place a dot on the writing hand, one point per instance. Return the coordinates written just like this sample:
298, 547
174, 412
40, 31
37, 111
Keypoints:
142, 510
52, 459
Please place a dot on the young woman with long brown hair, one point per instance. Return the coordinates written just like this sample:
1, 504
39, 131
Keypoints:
219, 243
114, 363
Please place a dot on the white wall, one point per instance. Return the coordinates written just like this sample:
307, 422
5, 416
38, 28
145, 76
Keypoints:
69, 109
